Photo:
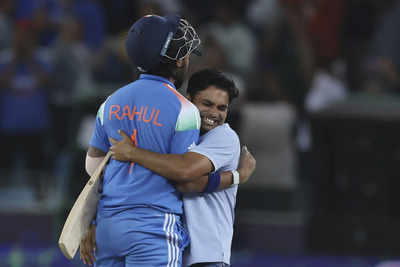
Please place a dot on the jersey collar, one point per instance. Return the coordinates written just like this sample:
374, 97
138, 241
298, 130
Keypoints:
156, 78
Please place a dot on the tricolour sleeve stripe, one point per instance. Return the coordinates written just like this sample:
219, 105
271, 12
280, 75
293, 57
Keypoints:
100, 113
189, 117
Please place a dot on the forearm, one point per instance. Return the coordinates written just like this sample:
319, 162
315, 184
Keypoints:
92, 163
198, 185
176, 167
94, 157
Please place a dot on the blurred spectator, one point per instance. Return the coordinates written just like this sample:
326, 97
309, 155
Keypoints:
264, 13
382, 70
91, 15
284, 65
107, 66
148, 7
24, 114
200, 11
325, 89
119, 14
47, 18
6, 7
323, 20
111, 64
213, 54
72, 79
294, 56
359, 26
167, 6
25, 9
45, 15
235, 37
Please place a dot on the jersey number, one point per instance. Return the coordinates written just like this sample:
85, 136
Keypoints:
134, 143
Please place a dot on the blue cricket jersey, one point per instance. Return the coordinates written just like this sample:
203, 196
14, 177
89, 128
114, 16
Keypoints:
157, 118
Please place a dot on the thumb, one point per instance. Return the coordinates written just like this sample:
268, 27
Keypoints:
113, 141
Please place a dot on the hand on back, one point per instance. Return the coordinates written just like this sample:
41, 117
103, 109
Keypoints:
247, 165
121, 150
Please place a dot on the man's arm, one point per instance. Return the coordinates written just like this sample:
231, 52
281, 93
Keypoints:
88, 246
247, 165
199, 184
94, 157
98, 145
176, 167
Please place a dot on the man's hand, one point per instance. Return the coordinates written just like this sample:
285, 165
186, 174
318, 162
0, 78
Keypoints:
88, 246
121, 150
247, 165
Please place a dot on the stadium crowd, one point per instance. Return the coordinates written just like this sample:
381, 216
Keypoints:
59, 59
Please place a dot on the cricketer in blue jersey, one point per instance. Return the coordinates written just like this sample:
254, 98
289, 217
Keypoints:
209, 217
139, 212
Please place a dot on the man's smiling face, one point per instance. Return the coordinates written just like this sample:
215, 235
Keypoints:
213, 105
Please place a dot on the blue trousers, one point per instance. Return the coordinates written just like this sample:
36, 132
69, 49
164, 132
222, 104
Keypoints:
140, 237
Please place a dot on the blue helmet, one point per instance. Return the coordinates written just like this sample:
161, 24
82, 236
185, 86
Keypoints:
154, 39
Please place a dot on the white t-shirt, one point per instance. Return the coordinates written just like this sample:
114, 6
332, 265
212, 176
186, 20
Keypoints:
210, 217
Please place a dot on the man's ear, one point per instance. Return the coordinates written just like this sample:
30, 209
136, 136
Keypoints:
180, 63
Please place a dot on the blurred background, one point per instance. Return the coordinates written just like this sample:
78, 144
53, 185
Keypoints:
319, 109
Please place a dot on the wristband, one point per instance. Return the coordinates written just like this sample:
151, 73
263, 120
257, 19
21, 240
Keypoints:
236, 177
214, 179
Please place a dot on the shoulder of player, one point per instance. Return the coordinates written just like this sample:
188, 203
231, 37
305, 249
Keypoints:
185, 103
186, 106
189, 116
168, 99
225, 133
224, 129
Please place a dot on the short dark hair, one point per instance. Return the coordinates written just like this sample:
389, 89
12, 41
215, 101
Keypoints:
205, 78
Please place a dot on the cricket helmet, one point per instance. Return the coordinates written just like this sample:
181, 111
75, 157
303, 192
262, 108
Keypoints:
154, 39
